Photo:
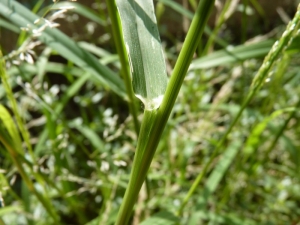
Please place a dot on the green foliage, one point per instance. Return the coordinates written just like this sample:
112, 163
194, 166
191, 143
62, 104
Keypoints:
223, 145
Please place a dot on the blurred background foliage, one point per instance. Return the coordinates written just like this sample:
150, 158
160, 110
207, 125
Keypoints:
83, 136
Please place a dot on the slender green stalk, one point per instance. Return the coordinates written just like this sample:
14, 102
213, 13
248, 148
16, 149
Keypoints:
154, 121
257, 83
141, 163
117, 35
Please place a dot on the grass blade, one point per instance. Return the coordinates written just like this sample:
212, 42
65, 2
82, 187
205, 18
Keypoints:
144, 50
66, 47
232, 55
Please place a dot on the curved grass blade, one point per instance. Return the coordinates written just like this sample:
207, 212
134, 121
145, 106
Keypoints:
142, 41
58, 41
9, 26
232, 55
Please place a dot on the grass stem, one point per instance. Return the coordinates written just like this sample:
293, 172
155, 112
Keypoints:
154, 121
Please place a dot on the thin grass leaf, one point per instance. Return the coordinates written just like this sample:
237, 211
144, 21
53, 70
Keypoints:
92, 48
9, 26
232, 55
142, 41
42, 62
58, 41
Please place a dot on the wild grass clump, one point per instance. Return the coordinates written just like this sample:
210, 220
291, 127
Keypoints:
125, 120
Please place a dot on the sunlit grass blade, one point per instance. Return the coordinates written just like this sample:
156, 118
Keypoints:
42, 62
144, 50
58, 41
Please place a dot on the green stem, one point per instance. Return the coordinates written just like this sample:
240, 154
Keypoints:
141, 164
154, 121
117, 35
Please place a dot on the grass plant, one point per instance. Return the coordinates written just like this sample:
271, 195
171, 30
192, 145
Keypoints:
87, 118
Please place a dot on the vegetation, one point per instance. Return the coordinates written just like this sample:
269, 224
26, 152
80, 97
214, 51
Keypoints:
211, 138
